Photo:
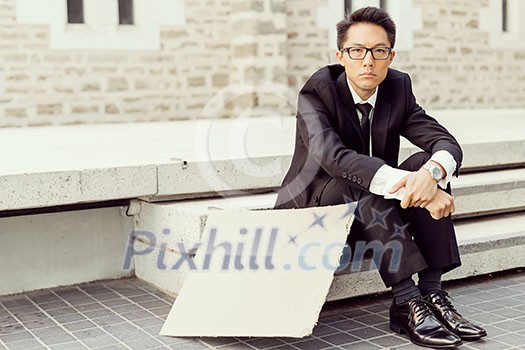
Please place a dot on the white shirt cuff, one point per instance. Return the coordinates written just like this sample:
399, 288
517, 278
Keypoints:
384, 179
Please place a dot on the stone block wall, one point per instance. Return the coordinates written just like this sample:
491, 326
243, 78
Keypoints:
235, 58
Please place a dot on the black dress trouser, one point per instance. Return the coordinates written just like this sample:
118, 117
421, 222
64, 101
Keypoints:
402, 241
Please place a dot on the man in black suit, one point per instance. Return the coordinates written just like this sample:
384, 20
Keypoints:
349, 121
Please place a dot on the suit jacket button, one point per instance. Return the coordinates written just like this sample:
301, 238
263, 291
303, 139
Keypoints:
354, 178
359, 181
345, 174
315, 199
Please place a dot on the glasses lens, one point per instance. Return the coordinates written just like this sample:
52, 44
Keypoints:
380, 53
357, 53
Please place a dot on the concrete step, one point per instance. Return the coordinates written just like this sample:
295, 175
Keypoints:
488, 193
487, 245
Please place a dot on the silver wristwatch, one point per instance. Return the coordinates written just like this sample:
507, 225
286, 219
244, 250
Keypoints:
434, 170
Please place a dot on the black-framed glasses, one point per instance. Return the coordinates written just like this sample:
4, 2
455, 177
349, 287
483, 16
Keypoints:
359, 52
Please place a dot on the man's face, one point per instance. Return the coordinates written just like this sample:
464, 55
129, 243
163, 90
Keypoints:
366, 74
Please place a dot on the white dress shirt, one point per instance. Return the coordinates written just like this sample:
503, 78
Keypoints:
386, 177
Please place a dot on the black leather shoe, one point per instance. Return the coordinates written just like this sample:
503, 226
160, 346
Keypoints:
417, 321
450, 318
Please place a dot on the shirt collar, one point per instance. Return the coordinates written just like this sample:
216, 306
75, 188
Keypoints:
372, 99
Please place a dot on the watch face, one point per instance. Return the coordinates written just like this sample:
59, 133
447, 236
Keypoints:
436, 172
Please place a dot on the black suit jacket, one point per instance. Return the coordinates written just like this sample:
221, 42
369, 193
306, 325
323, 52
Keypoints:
329, 144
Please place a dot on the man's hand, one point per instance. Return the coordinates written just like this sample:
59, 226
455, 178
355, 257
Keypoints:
420, 189
441, 206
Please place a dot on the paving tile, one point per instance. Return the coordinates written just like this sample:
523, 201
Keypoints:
70, 293
92, 306
27, 344
264, 343
193, 345
362, 345
312, 344
39, 323
174, 340
80, 325
485, 306
511, 339
489, 344
112, 319
62, 311
138, 315
331, 318
144, 343
100, 341
122, 309
95, 314
371, 320
14, 337
115, 346
24, 310
486, 318
42, 297
366, 332
339, 338
53, 305
7, 320
160, 311
115, 302
510, 325
68, 346
235, 346
214, 342
69, 318
324, 329
347, 325
153, 330
89, 333
509, 313
389, 341
150, 304
17, 301
12, 328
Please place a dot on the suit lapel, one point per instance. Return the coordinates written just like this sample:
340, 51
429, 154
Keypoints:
348, 102
380, 123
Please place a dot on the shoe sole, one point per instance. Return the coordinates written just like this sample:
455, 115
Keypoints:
400, 330
471, 338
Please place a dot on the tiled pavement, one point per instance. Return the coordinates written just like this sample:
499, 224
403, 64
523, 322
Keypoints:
128, 314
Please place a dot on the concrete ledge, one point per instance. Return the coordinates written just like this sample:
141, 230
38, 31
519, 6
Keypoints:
191, 159
36, 190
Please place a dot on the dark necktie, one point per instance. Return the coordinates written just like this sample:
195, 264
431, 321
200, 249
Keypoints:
365, 109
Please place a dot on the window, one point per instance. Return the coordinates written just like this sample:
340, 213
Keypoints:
125, 12
348, 6
502, 19
505, 16
94, 24
75, 11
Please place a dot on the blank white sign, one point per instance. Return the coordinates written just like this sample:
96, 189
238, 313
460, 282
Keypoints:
260, 273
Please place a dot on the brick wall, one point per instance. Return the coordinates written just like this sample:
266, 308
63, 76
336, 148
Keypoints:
237, 58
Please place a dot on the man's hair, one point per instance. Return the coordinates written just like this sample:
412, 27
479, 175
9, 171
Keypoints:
368, 14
